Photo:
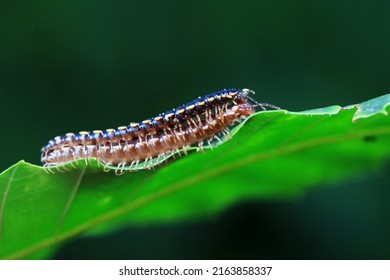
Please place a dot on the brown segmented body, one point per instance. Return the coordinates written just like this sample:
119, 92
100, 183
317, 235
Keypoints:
199, 121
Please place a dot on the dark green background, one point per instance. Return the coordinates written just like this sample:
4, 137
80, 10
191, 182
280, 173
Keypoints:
82, 65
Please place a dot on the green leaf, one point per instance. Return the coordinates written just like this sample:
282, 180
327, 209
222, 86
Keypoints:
272, 155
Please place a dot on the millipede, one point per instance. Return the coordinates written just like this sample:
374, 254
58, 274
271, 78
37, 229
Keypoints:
153, 140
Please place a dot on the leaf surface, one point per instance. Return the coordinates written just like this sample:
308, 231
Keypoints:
272, 155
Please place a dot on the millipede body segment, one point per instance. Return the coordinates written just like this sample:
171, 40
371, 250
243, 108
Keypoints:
197, 122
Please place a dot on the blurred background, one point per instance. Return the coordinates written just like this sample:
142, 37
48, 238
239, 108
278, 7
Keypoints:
67, 66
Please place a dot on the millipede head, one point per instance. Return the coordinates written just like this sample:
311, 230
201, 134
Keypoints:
241, 96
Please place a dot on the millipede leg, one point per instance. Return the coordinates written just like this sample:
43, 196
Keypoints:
119, 169
47, 169
158, 158
72, 164
209, 145
185, 149
145, 163
105, 168
152, 165
136, 165
131, 166
58, 169
200, 147
165, 156
227, 134
219, 139
64, 166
